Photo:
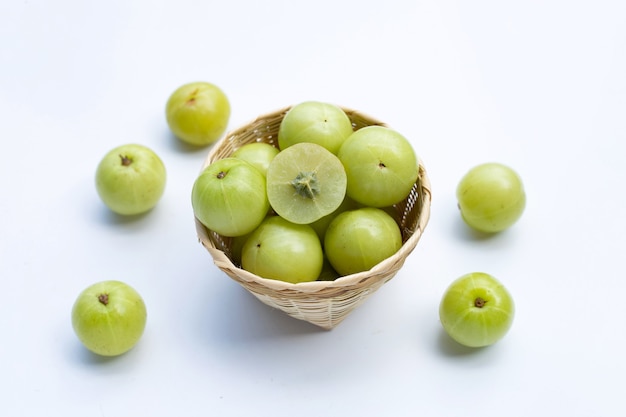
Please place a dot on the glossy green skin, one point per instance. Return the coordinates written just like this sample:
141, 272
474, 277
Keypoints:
321, 225
198, 113
114, 328
380, 164
357, 240
285, 251
474, 326
305, 157
229, 197
491, 197
134, 188
258, 154
315, 122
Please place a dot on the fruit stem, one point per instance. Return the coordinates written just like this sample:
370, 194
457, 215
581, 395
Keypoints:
104, 298
306, 184
126, 161
480, 302
192, 98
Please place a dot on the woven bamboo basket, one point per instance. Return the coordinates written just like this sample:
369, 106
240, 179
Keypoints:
322, 303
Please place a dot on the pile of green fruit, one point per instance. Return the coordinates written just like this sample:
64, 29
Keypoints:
316, 206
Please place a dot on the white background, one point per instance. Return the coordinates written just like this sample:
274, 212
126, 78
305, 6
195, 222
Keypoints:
538, 85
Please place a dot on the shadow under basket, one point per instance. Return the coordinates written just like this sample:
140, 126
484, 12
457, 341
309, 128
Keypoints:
323, 303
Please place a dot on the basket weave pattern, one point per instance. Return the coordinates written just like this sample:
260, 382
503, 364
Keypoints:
323, 303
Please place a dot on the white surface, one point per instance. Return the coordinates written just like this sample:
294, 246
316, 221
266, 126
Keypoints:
539, 85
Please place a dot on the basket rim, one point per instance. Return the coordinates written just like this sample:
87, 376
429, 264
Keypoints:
352, 280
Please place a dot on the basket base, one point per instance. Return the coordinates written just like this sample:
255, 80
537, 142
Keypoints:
320, 312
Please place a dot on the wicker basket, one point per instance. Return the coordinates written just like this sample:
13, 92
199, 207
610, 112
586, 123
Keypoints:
323, 303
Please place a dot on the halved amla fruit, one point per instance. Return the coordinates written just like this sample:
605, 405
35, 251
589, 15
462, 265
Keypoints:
305, 182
